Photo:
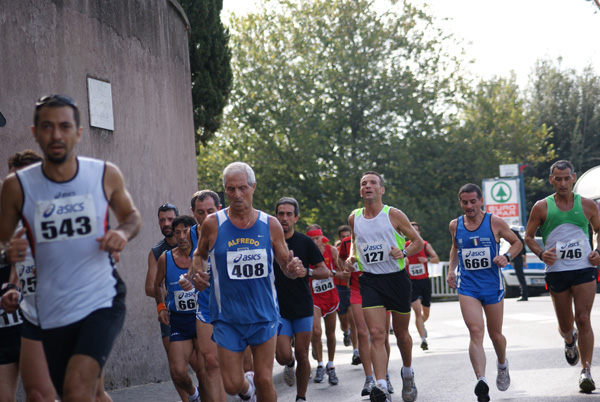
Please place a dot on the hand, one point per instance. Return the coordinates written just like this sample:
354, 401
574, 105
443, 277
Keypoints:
113, 240
294, 266
10, 301
345, 274
451, 279
163, 317
17, 248
594, 258
396, 253
350, 261
549, 256
500, 260
200, 280
185, 283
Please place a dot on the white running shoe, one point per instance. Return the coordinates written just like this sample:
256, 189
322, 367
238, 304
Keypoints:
503, 378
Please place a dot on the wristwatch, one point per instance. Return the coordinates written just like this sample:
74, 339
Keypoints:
508, 256
404, 252
310, 272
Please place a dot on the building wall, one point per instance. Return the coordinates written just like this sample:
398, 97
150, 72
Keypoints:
141, 48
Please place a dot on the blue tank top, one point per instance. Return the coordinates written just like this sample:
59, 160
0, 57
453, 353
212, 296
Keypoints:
242, 279
476, 251
204, 296
178, 300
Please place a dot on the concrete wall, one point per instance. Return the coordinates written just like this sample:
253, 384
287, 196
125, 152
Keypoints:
141, 48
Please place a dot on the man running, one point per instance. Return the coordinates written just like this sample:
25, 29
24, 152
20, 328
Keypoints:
378, 237
475, 251
64, 203
179, 310
347, 324
296, 302
326, 301
421, 285
571, 263
242, 242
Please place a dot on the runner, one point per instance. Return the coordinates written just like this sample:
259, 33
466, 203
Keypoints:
296, 302
32, 363
421, 285
243, 301
166, 215
571, 272
475, 251
347, 324
79, 295
378, 237
179, 310
326, 301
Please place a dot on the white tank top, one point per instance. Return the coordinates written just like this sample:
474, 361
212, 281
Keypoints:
63, 220
374, 239
27, 282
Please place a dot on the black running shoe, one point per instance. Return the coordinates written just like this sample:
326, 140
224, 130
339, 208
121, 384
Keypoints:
482, 390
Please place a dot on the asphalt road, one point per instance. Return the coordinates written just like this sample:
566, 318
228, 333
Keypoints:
538, 369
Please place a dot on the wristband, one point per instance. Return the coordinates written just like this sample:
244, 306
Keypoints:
507, 256
540, 255
160, 307
8, 287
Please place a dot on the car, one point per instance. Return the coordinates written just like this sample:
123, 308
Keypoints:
534, 272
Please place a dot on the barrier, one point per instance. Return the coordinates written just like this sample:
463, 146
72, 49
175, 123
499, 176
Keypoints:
438, 273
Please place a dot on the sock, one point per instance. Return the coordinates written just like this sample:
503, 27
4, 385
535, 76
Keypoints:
502, 366
355, 352
321, 364
482, 378
387, 376
407, 371
195, 395
382, 384
369, 377
329, 365
423, 338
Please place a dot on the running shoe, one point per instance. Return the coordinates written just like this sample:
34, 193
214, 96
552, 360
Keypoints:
503, 378
347, 338
586, 384
289, 375
250, 377
320, 375
389, 384
424, 345
369, 384
196, 399
571, 352
356, 360
379, 394
482, 391
409, 389
333, 379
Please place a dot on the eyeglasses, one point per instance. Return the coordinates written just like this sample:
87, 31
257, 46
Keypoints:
49, 98
168, 207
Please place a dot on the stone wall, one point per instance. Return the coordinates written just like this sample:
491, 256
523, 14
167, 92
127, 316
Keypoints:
141, 48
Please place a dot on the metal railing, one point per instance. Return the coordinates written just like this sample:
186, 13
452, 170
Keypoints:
438, 273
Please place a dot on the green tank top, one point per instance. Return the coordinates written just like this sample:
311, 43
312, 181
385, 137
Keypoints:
555, 217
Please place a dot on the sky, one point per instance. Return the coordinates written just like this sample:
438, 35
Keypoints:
510, 34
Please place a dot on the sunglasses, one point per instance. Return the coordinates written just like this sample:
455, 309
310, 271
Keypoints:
44, 100
168, 207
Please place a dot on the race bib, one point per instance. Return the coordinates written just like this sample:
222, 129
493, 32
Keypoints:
476, 258
185, 301
10, 319
65, 219
416, 269
26, 273
247, 264
570, 250
374, 253
322, 285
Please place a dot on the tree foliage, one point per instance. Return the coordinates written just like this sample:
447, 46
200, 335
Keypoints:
210, 66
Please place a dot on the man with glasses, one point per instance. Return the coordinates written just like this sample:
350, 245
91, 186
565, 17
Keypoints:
64, 202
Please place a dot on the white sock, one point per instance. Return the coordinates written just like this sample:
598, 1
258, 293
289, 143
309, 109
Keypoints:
382, 384
482, 378
355, 352
502, 366
407, 371
330, 364
321, 364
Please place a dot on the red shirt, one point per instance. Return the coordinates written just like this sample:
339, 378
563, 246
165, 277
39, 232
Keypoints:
416, 269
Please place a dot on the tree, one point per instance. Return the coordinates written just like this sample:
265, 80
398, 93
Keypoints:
568, 103
210, 66
326, 90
